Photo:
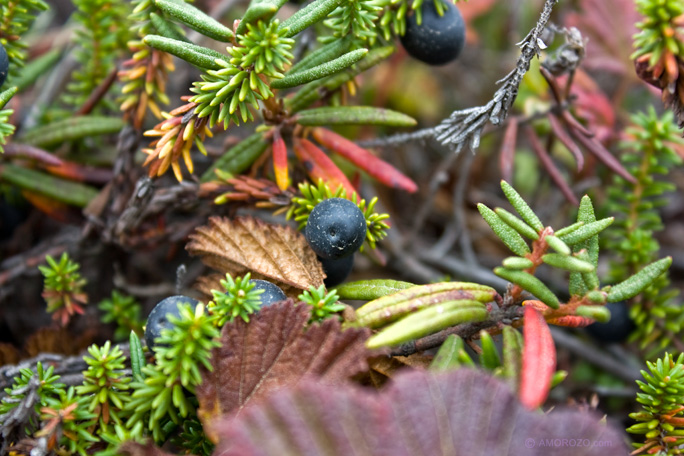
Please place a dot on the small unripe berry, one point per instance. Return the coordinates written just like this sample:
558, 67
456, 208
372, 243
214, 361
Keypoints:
158, 319
336, 228
617, 329
438, 40
4, 64
272, 293
336, 271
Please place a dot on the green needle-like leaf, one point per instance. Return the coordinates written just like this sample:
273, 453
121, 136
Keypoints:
354, 115
323, 54
320, 71
517, 224
489, 358
567, 262
521, 206
508, 235
71, 129
530, 283
312, 13
238, 157
199, 56
66, 191
518, 263
585, 232
167, 29
367, 290
137, 357
635, 284
196, 19
259, 9
7, 95
598, 313
558, 245
450, 355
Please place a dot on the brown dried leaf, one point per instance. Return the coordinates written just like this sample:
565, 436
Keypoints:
273, 350
462, 412
247, 244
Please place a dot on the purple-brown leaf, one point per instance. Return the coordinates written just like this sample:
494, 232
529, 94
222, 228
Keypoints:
459, 413
274, 350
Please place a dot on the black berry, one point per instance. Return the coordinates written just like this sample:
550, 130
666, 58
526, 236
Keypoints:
617, 329
336, 228
159, 320
438, 40
336, 270
4, 64
272, 293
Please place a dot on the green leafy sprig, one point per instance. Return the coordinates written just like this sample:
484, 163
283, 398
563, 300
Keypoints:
104, 384
63, 288
311, 195
124, 311
16, 19
354, 18
323, 304
661, 420
6, 128
225, 94
659, 34
573, 248
239, 299
649, 154
68, 419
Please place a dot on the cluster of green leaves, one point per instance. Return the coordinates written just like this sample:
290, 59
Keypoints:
224, 94
657, 34
124, 311
37, 405
6, 128
311, 195
575, 249
661, 420
101, 36
16, 19
648, 154
63, 287
239, 299
323, 303
159, 391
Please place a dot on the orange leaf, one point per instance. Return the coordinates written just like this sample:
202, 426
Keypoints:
280, 160
320, 166
538, 359
375, 167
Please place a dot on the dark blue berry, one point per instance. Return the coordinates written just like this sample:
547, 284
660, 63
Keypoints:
336, 228
438, 40
272, 293
336, 271
4, 65
617, 329
159, 320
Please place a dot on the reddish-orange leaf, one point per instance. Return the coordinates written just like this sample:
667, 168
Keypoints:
507, 154
572, 321
320, 166
280, 160
375, 167
538, 359
81, 173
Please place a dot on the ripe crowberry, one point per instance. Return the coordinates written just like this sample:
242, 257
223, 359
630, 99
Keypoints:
4, 64
336, 228
158, 318
336, 271
438, 40
617, 329
272, 293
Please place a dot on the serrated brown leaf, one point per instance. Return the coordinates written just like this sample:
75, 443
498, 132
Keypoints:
246, 244
458, 413
274, 350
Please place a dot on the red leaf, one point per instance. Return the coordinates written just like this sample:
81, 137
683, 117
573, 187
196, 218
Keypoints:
507, 154
375, 167
550, 167
563, 136
319, 166
538, 359
81, 173
280, 160
462, 412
